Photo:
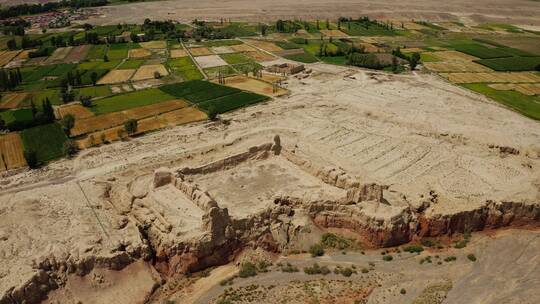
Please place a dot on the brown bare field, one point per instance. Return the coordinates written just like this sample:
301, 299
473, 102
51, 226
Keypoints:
264, 45
12, 150
171, 118
333, 33
529, 89
154, 44
412, 50
243, 48
463, 66
2, 164
177, 53
253, 85
101, 122
271, 77
139, 53
35, 61
368, 47
109, 120
147, 71
23, 55
77, 54
412, 25
6, 57
453, 56
59, 54
78, 111
200, 51
12, 100
183, 116
210, 61
116, 76
493, 77
222, 50
259, 56
155, 109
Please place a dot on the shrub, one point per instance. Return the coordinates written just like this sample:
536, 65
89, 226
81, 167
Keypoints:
69, 149
471, 257
331, 240
346, 272
403, 291
387, 257
131, 126
365, 270
289, 268
247, 269
413, 248
316, 250
316, 269
31, 159
450, 258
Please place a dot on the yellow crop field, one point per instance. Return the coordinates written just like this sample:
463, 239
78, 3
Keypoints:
12, 151
12, 100
116, 76
148, 71
78, 111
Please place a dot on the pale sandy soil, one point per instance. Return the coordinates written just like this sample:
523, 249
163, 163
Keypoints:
514, 11
506, 271
414, 133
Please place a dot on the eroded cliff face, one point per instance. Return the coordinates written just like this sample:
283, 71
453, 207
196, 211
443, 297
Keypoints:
181, 227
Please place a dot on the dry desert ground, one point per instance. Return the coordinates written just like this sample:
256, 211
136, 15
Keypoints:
388, 158
524, 12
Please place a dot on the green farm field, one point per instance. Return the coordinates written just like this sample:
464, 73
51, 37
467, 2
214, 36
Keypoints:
526, 105
130, 100
185, 68
46, 141
231, 102
198, 91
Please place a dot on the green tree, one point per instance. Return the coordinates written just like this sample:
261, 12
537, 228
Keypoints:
68, 148
68, 122
413, 62
131, 126
31, 158
86, 101
94, 77
212, 113
2, 124
316, 250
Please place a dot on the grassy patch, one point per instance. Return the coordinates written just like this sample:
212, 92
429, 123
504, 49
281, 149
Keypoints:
231, 102
97, 91
526, 105
185, 68
18, 115
131, 64
236, 58
337, 60
511, 63
39, 73
130, 100
61, 70
363, 29
38, 97
214, 72
46, 141
198, 91
427, 57
481, 51
304, 57
97, 52
118, 51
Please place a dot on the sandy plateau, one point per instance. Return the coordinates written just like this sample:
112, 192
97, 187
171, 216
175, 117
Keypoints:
389, 159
